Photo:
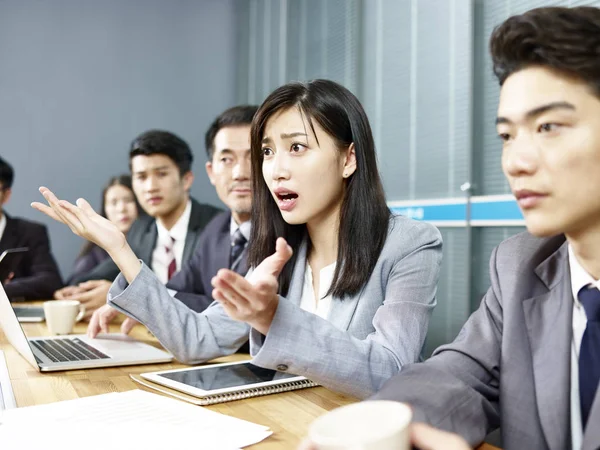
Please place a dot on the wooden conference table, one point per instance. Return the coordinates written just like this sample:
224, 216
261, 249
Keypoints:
287, 414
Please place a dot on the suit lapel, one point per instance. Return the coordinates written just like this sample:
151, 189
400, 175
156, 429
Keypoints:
9, 237
297, 281
148, 242
342, 311
190, 244
223, 245
193, 231
548, 318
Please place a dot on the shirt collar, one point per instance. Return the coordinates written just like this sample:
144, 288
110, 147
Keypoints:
2, 224
180, 229
579, 277
244, 228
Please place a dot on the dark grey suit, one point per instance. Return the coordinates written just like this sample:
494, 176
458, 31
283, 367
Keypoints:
142, 239
192, 282
510, 364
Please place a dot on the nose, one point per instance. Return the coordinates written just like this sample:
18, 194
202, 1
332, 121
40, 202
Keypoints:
279, 166
241, 169
121, 206
150, 184
521, 156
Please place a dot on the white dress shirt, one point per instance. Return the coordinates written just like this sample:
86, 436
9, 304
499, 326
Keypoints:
321, 305
579, 279
173, 238
2, 225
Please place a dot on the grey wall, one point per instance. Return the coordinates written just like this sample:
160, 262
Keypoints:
79, 79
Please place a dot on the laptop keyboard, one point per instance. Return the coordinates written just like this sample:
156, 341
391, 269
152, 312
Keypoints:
67, 350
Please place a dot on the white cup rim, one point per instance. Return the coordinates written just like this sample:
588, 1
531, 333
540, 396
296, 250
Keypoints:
403, 411
63, 302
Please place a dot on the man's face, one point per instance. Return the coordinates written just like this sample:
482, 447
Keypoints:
4, 196
229, 170
157, 184
550, 127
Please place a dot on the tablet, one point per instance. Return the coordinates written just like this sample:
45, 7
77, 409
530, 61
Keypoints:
29, 313
216, 379
9, 260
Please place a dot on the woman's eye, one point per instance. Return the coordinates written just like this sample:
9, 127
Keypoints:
267, 151
297, 148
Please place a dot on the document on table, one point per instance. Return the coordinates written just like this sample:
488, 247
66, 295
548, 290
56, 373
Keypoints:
140, 418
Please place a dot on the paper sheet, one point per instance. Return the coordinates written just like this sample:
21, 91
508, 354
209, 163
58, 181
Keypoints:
133, 419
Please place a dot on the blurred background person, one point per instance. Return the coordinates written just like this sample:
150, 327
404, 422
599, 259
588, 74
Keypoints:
119, 205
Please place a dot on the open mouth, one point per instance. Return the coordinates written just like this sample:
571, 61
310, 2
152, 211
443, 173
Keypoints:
287, 197
286, 200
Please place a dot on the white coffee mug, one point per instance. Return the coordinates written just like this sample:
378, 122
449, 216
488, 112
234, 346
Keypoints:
61, 315
368, 425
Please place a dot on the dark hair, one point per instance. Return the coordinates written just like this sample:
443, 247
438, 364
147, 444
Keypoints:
564, 39
236, 116
364, 215
119, 180
7, 174
159, 142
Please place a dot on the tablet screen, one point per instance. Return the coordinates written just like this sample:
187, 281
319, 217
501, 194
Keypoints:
212, 378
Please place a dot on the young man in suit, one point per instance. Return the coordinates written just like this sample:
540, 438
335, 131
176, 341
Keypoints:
224, 241
161, 169
35, 274
528, 360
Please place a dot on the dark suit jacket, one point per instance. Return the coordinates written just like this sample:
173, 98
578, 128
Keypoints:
510, 365
142, 239
192, 283
36, 275
87, 263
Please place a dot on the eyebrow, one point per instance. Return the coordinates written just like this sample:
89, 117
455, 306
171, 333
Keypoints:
229, 151
539, 110
285, 136
150, 170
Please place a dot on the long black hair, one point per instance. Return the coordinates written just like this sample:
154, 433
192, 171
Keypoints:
364, 216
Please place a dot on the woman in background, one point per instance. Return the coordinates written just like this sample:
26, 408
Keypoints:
120, 207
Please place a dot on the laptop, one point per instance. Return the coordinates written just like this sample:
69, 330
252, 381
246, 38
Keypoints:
48, 354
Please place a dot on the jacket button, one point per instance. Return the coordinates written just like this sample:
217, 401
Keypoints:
282, 367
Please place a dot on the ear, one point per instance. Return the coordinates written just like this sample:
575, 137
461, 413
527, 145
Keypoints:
188, 180
349, 161
209, 172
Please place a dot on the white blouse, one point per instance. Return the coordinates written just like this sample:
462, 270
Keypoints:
321, 305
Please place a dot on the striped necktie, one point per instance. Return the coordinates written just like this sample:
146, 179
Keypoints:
172, 267
238, 243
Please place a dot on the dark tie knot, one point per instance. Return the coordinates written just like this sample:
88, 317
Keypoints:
589, 297
238, 239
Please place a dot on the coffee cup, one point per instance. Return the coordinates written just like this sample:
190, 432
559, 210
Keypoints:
368, 425
61, 315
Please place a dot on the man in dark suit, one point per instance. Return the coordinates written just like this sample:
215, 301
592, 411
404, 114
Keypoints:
34, 274
224, 241
160, 164
528, 360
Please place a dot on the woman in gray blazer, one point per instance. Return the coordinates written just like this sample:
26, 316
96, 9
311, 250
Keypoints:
346, 294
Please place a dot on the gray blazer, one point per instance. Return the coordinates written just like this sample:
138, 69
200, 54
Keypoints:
510, 364
366, 339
